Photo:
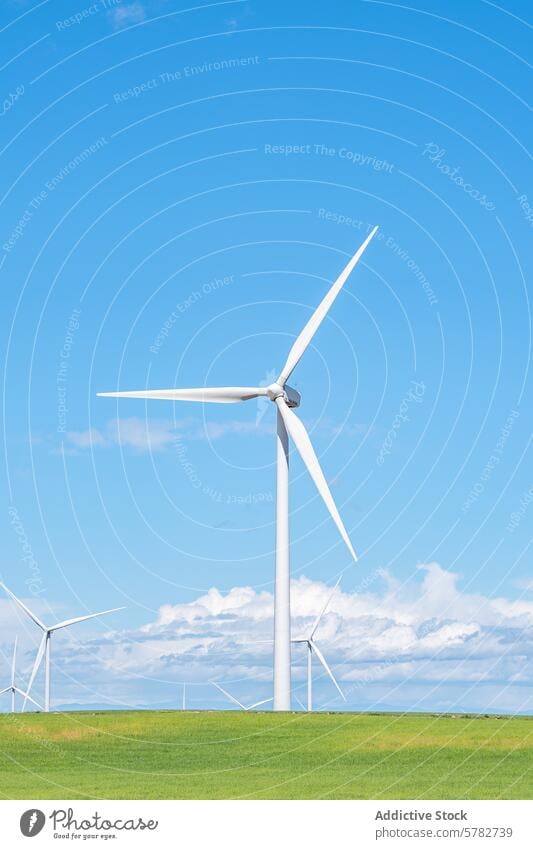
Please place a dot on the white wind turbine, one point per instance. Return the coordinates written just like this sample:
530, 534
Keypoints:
288, 424
45, 644
13, 689
310, 642
240, 704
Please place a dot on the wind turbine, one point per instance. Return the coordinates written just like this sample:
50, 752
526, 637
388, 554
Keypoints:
45, 644
240, 704
310, 642
13, 689
288, 424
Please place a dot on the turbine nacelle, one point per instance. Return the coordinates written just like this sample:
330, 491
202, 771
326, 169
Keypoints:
291, 397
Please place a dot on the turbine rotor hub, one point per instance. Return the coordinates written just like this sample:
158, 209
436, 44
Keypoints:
290, 395
274, 391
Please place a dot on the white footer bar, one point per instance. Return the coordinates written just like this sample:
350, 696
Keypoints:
260, 825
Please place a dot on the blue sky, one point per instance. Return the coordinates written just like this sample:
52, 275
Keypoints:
180, 185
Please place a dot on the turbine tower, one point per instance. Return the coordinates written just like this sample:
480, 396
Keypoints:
288, 424
240, 704
45, 644
13, 689
310, 642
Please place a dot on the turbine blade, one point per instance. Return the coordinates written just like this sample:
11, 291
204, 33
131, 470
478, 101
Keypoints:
300, 437
320, 615
68, 622
322, 660
257, 704
38, 659
206, 395
14, 663
230, 697
28, 697
5, 690
303, 340
26, 610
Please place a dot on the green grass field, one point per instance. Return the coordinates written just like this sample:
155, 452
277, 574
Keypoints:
235, 755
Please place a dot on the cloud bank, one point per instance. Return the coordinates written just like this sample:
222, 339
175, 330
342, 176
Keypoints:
155, 435
424, 645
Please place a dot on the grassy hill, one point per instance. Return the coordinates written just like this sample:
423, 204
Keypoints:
214, 755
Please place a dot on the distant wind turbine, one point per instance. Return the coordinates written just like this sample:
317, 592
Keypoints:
13, 689
45, 644
310, 642
238, 703
288, 424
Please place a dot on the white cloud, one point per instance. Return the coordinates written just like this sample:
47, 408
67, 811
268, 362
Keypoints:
133, 432
140, 434
130, 13
87, 438
425, 644
525, 584
154, 435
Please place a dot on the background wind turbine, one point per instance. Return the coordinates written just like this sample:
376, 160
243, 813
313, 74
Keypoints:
309, 641
45, 644
288, 424
13, 689
240, 704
